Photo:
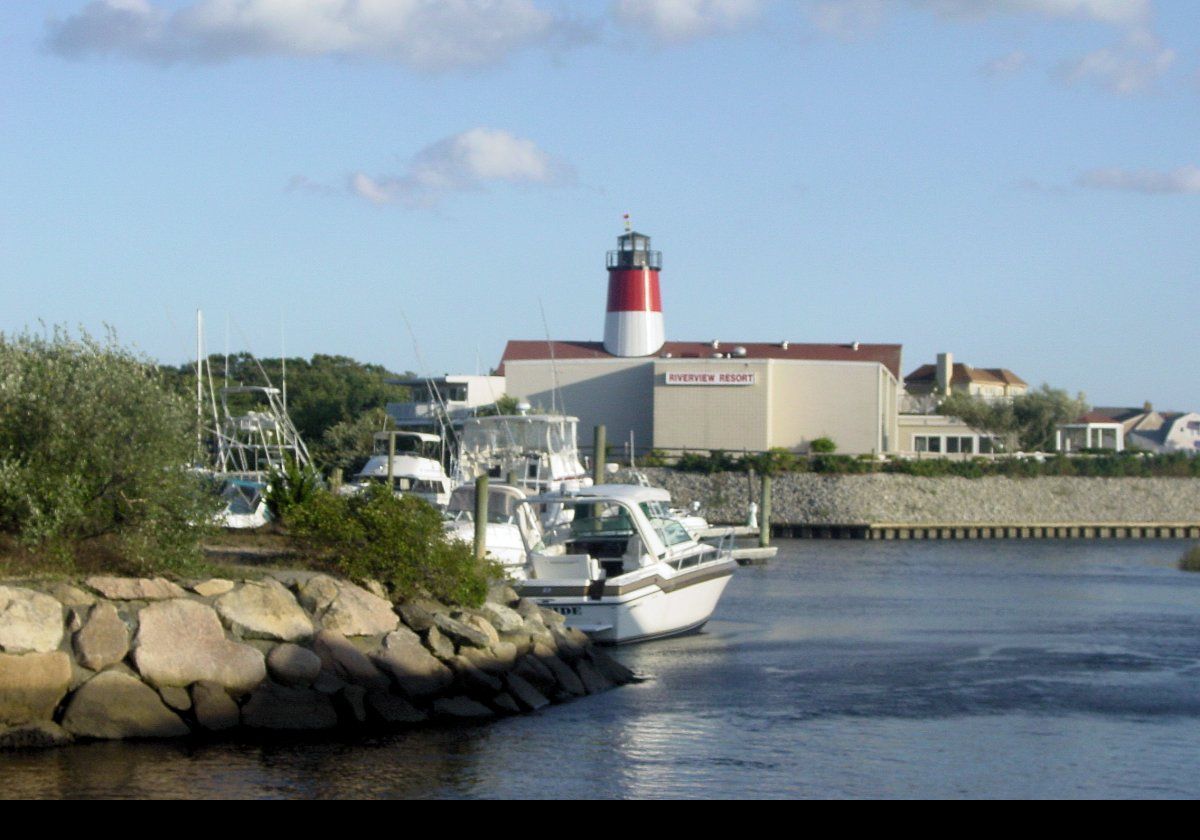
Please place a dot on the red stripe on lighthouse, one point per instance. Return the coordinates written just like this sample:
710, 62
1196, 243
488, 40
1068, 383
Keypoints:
633, 290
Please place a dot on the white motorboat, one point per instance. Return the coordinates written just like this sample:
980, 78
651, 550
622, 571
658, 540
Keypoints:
507, 523
621, 572
536, 452
412, 460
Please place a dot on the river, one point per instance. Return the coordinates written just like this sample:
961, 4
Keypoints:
842, 669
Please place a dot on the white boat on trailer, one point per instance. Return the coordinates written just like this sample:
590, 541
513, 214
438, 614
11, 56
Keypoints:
621, 572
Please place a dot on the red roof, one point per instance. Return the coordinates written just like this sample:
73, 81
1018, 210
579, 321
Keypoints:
887, 355
964, 374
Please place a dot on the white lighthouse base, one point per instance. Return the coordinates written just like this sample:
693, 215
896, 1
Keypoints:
633, 333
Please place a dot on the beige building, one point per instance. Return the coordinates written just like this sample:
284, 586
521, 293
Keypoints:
718, 395
931, 382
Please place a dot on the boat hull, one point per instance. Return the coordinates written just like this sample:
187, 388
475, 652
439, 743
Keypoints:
638, 610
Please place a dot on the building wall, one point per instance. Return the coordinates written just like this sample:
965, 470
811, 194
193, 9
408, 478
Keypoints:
912, 426
847, 402
789, 404
731, 417
616, 392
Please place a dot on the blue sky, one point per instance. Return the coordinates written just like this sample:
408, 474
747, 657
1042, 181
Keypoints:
1015, 181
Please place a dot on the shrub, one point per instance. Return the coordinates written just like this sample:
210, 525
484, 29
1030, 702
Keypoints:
93, 445
822, 446
397, 541
291, 486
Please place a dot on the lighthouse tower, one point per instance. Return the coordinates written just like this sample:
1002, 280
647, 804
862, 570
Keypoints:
633, 325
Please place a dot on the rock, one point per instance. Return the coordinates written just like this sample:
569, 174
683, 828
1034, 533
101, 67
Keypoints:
377, 589
460, 632
278, 707
567, 679
504, 619
392, 709
502, 594
483, 626
348, 662
551, 618
415, 615
351, 703
212, 587
38, 735
30, 622
569, 642
437, 642
490, 660
216, 711
525, 693
461, 708
116, 705
528, 609
176, 698
522, 643
474, 679
265, 610
347, 609
31, 686
180, 642
505, 704
418, 672
612, 670
135, 589
291, 664
70, 596
75, 616
531, 669
592, 680
103, 640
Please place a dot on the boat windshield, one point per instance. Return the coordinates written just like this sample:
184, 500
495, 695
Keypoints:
600, 520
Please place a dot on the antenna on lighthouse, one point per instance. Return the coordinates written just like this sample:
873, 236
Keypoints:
633, 324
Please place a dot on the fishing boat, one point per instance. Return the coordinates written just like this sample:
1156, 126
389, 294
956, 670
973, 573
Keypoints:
411, 462
509, 524
535, 452
619, 570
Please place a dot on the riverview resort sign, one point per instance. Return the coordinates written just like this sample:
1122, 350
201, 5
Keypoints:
710, 378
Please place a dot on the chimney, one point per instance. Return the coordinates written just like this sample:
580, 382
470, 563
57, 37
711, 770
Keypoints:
945, 372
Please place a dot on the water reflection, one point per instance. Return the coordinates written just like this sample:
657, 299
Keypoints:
844, 669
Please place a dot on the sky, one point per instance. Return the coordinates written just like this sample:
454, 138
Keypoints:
412, 183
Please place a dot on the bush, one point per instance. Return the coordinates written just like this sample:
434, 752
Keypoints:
93, 445
397, 541
289, 487
822, 446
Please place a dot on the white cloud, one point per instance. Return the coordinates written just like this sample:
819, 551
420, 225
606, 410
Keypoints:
464, 162
1132, 66
678, 21
1183, 180
429, 35
848, 19
1102, 11
1007, 65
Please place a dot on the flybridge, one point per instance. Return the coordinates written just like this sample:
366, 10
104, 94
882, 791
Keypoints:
706, 378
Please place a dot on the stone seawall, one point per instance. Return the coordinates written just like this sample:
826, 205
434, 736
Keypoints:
810, 499
111, 658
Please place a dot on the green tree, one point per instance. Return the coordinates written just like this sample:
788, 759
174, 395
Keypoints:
322, 391
399, 541
1025, 422
346, 445
92, 444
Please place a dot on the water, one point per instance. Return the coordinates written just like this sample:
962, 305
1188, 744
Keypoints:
844, 669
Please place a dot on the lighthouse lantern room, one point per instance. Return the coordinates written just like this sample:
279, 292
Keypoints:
633, 324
